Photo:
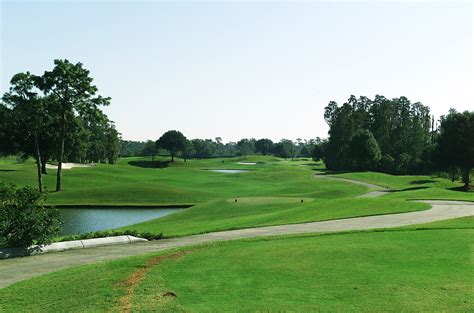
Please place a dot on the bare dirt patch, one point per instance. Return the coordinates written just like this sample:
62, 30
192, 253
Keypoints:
136, 277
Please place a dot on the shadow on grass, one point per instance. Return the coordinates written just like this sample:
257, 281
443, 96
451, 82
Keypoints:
329, 172
422, 181
150, 164
462, 189
8, 170
410, 189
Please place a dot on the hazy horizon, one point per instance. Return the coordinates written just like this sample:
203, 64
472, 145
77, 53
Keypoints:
246, 69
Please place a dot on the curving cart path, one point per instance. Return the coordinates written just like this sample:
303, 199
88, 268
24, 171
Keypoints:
14, 270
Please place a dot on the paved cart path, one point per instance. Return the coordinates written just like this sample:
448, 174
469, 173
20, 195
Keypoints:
14, 270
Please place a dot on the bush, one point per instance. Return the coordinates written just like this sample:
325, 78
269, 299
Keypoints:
23, 218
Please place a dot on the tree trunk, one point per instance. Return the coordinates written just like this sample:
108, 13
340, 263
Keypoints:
38, 164
466, 178
61, 154
172, 157
44, 159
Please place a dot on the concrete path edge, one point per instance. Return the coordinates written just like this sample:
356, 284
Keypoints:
7, 253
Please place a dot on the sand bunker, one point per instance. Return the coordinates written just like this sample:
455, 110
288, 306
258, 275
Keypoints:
68, 166
247, 163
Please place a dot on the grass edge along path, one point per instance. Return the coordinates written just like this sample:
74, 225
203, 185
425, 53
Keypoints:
357, 287
14, 270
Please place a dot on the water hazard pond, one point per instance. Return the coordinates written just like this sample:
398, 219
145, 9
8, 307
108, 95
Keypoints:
84, 220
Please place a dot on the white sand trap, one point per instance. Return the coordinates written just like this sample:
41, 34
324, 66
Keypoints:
68, 166
247, 163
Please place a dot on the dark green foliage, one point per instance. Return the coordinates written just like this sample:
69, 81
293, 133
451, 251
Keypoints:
6, 143
284, 149
28, 120
149, 149
318, 150
23, 218
72, 85
364, 150
204, 148
246, 146
401, 129
188, 150
173, 141
56, 117
131, 148
264, 146
456, 144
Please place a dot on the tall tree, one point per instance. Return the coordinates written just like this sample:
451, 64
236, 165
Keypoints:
150, 150
173, 141
264, 146
364, 150
28, 115
456, 143
245, 146
188, 150
203, 148
72, 85
284, 149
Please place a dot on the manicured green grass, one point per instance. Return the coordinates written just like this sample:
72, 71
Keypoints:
92, 288
399, 181
412, 187
269, 194
401, 270
456, 223
264, 211
180, 183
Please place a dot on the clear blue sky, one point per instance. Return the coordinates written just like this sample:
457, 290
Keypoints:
245, 69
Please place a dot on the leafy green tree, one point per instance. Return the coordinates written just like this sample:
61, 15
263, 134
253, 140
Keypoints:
150, 150
188, 150
173, 141
28, 116
23, 218
456, 143
73, 87
318, 150
401, 129
284, 149
112, 143
203, 148
131, 148
365, 150
6, 144
245, 147
264, 146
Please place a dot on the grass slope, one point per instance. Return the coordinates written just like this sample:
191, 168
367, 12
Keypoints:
179, 183
400, 270
413, 187
265, 211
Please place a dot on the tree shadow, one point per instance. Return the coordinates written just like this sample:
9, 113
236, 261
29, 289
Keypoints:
422, 181
150, 164
410, 189
461, 189
330, 172
8, 170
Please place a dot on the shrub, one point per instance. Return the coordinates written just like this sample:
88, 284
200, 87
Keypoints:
23, 218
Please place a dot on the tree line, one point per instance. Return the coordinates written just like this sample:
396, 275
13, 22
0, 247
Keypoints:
57, 117
397, 136
175, 143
